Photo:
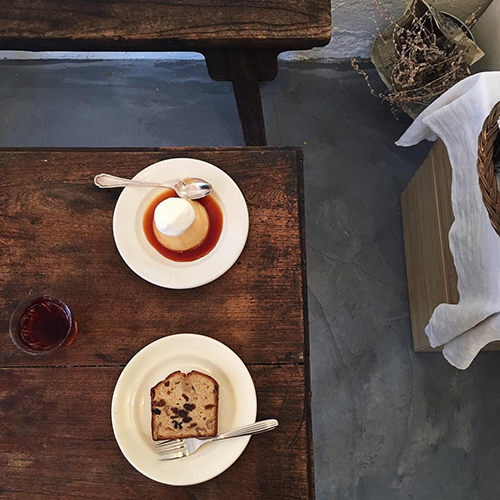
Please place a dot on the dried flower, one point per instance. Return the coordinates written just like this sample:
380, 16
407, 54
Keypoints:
424, 65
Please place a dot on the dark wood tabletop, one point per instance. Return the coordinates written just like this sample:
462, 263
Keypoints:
56, 438
161, 25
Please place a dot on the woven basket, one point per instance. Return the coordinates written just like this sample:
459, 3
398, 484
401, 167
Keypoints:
485, 167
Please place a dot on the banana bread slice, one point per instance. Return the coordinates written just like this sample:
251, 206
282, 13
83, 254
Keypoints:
184, 406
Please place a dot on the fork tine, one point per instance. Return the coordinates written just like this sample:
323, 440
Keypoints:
173, 444
173, 456
169, 442
171, 449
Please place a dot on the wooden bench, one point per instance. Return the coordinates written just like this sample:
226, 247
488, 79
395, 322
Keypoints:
240, 40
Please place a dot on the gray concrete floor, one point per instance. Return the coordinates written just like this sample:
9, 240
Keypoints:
388, 424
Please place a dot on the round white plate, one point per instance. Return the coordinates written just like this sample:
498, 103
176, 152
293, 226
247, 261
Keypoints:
147, 262
131, 406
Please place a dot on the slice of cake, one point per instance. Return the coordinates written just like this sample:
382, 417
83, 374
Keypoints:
184, 406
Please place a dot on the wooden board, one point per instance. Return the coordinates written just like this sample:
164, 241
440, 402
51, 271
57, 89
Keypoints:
56, 440
163, 25
442, 180
427, 219
56, 237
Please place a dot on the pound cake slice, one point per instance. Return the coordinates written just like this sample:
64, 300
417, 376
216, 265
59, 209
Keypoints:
184, 406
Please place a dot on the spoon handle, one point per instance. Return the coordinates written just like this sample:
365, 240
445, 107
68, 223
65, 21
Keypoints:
106, 181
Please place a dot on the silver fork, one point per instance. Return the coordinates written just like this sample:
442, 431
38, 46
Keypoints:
180, 448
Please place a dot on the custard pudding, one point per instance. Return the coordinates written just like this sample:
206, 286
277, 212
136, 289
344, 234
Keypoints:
180, 225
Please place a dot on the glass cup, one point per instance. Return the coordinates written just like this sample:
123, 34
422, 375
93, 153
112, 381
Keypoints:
42, 324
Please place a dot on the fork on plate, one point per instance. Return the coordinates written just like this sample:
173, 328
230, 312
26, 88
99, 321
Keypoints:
180, 448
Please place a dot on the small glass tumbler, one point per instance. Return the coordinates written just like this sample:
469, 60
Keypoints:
42, 324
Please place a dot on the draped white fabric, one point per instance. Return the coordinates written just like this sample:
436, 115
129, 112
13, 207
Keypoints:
457, 118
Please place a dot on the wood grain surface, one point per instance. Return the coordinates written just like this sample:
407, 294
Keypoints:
163, 25
56, 440
441, 167
56, 237
424, 249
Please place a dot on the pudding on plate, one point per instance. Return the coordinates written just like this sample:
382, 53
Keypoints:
182, 230
181, 225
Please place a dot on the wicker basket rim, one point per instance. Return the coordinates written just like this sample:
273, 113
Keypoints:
486, 168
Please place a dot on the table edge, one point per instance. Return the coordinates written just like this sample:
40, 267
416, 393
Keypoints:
86, 149
307, 367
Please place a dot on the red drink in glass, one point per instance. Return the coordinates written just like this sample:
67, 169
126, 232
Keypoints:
41, 324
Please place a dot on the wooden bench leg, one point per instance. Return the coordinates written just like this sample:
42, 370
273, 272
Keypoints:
244, 76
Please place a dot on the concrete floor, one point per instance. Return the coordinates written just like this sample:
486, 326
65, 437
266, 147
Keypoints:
388, 424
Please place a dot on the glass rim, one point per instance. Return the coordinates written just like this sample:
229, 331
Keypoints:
22, 308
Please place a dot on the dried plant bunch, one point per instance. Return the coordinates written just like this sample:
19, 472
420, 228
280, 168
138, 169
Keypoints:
422, 62
426, 65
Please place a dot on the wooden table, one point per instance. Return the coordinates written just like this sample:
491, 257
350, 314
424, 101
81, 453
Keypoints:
240, 40
56, 236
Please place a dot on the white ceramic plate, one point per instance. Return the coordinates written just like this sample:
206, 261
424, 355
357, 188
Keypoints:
131, 406
147, 262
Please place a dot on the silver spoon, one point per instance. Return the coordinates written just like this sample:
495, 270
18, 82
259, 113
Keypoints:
189, 188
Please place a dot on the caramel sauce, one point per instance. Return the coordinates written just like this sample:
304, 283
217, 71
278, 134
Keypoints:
214, 231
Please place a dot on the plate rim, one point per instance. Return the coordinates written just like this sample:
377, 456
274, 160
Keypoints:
253, 396
229, 263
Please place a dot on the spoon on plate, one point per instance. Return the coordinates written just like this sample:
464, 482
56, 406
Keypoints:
189, 188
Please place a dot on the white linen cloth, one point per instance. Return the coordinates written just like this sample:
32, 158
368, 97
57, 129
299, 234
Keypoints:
457, 118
